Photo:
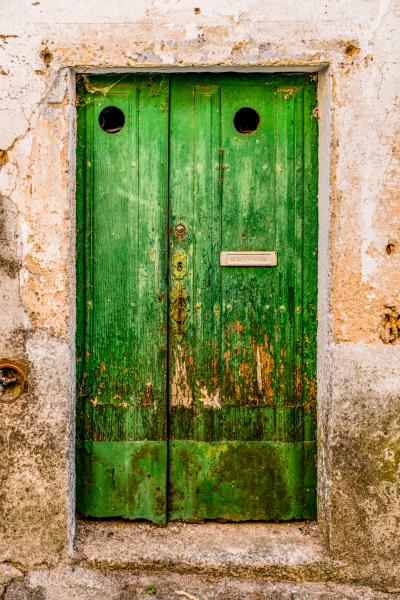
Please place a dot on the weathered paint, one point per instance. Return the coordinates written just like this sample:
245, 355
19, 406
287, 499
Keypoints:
180, 391
227, 191
358, 382
122, 479
121, 295
241, 480
249, 342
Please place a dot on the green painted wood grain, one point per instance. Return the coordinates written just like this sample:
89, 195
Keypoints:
240, 371
121, 265
241, 341
237, 481
122, 479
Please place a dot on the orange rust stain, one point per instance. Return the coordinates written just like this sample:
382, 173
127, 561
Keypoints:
216, 32
238, 47
351, 50
390, 325
46, 56
3, 158
215, 372
246, 372
102, 368
44, 296
227, 359
298, 382
311, 392
266, 367
395, 152
45, 289
238, 327
148, 396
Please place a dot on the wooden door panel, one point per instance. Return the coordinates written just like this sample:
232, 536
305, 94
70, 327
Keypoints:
122, 298
241, 480
235, 430
122, 479
242, 362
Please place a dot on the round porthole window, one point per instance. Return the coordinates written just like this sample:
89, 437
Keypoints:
246, 120
111, 119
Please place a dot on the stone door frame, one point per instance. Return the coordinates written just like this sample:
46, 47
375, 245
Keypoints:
324, 93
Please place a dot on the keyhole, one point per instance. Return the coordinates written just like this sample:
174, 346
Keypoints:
179, 266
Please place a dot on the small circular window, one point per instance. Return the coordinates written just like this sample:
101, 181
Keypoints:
246, 120
111, 119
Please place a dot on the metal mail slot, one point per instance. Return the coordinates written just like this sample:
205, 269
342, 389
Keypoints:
248, 259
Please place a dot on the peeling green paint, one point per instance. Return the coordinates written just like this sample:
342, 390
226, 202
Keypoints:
182, 186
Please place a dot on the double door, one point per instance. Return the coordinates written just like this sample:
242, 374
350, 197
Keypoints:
196, 297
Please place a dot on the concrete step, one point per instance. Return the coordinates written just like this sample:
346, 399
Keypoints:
78, 583
292, 551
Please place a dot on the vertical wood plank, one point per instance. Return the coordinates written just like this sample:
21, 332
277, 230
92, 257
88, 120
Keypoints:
250, 409
122, 298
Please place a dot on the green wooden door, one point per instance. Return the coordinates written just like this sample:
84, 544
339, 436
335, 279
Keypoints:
205, 408
122, 300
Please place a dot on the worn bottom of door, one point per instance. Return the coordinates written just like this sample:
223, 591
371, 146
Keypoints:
122, 479
233, 481
238, 481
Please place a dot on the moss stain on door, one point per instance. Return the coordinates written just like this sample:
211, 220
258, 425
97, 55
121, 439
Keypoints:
197, 380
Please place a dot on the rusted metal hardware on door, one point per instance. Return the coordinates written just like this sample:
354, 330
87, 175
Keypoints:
12, 379
179, 265
180, 231
179, 294
179, 309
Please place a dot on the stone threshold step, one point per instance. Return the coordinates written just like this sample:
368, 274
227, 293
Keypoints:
291, 551
78, 583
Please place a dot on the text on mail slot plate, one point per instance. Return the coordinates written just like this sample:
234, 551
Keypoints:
248, 259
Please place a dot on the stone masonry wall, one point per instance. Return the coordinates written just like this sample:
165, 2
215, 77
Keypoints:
354, 48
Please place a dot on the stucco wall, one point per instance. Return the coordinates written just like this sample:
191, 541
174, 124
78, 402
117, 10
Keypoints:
354, 48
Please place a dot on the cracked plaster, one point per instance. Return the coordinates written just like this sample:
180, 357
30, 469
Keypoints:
354, 47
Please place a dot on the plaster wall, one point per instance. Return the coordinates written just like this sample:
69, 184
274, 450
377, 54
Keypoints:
354, 49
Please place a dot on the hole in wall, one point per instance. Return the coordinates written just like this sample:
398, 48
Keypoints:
391, 247
246, 120
12, 380
111, 119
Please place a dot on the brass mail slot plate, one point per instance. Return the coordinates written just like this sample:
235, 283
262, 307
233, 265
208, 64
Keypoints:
248, 259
